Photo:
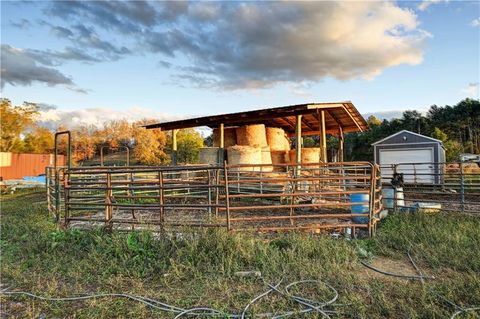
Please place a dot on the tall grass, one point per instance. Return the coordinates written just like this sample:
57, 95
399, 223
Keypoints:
189, 269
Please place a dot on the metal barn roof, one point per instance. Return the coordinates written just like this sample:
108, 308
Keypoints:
419, 138
343, 114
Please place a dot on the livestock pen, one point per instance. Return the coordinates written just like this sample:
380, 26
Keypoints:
302, 193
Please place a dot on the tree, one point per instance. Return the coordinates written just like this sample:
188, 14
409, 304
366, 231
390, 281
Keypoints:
149, 145
40, 140
373, 121
439, 135
15, 120
189, 143
452, 151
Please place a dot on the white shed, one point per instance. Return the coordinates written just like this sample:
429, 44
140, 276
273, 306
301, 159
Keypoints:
405, 148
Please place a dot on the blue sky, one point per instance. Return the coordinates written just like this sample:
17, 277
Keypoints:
97, 61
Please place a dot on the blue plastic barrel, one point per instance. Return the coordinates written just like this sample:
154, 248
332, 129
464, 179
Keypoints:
360, 209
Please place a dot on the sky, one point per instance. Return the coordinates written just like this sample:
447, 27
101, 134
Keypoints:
89, 62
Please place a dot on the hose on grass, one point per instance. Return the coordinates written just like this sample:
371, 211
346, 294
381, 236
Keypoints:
414, 277
244, 312
464, 310
451, 303
311, 305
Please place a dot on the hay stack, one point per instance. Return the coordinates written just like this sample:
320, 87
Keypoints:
471, 168
277, 139
266, 159
280, 157
309, 155
229, 137
244, 154
208, 155
252, 135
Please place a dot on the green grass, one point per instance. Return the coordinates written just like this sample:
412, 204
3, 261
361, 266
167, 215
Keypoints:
198, 269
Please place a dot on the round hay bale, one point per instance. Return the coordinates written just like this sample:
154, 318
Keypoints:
266, 159
277, 139
280, 157
252, 135
309, 155
229, 137
208, 155
244, 154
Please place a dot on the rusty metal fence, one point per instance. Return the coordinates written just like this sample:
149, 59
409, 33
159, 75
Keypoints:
434, 186
310, 197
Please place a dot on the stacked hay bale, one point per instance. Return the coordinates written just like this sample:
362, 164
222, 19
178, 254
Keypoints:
309, 155
255, 136
245, 154
279, 146
252, 135
471, 168
229, 137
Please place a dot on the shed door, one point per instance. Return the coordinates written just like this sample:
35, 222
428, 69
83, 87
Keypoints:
413, 163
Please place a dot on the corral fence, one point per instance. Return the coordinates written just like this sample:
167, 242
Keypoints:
339, 197
434, 186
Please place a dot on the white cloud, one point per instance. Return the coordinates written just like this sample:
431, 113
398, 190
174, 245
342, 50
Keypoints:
471, 90
427, 3
53, 117
475, 22
235, 45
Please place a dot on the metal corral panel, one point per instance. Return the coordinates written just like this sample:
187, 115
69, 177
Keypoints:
17, 166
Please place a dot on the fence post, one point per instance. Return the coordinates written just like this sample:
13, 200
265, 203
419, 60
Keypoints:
394, 190
209, 193
57, 195
161, 198
47, 185
66, 195
217, 193
372, 199
227, 198
108, 199
462, 188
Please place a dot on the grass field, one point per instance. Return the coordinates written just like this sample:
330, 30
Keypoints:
190, 270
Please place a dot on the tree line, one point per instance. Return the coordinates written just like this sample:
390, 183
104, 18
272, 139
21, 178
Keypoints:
458, 126
21, 133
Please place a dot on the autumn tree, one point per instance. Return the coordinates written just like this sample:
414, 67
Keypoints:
14, 121
39, 140
373, 121
149, 145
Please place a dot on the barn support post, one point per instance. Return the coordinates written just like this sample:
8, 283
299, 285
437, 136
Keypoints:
298, 145
298, 139
221, 144
340, 144
174, 147
323, 137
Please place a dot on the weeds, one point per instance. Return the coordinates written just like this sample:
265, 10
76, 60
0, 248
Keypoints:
191, 269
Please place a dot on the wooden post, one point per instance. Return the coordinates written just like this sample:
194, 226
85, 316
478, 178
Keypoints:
340, 144
108, 200
221, 149
174, 147
298, 138
323, 138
